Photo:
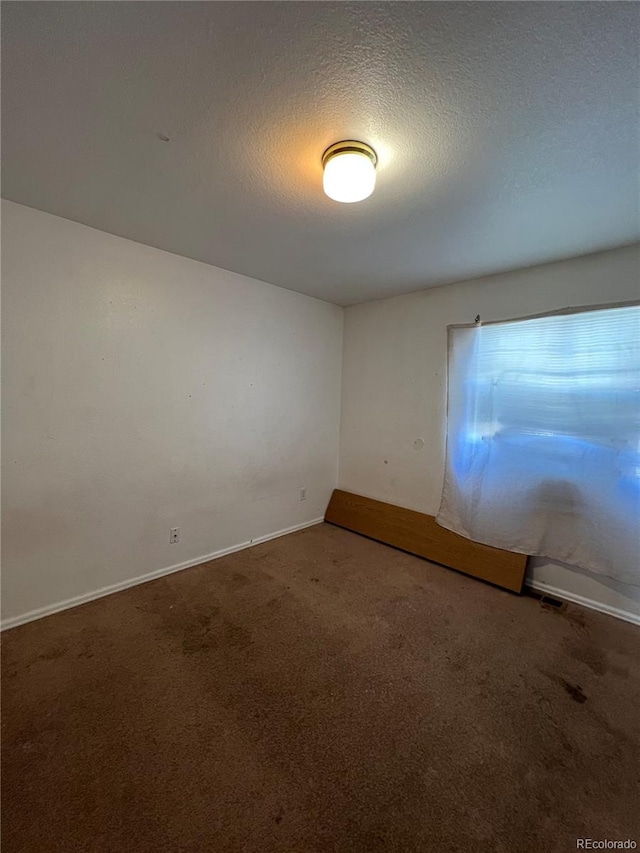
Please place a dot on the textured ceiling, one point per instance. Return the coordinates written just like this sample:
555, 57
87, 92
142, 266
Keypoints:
507, 133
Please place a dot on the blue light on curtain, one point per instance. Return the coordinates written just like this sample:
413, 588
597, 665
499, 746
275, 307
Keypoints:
543, 438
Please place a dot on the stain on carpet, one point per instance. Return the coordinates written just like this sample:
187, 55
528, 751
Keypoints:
574, 690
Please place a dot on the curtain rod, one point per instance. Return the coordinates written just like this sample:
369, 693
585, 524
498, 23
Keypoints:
583, 309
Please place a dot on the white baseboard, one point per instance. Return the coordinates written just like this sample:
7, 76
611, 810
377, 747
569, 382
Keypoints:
574, 598
50, 609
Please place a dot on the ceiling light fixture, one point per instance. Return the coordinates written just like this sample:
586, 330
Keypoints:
349, 171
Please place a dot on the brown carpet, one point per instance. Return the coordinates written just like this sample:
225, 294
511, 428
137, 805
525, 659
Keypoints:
320, 692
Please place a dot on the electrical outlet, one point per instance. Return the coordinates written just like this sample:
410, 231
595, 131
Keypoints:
174, 535
303, 494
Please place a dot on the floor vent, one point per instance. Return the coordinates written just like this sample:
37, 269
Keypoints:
545, 599
552, 602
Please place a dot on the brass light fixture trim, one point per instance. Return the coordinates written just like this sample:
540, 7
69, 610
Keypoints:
349, 145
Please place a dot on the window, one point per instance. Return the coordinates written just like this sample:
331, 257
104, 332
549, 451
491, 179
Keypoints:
543, 438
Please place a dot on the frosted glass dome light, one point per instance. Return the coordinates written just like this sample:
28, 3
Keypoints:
349, 171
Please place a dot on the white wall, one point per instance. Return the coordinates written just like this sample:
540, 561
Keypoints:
144, 391
394, 386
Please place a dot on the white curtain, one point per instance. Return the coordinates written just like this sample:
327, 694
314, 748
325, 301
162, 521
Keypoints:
543, 438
